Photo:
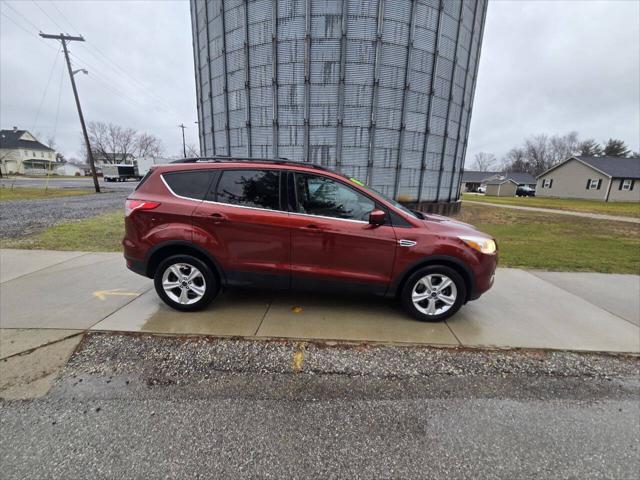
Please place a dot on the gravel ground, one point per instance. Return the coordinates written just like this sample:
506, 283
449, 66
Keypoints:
142, 406
179, 359
25, 217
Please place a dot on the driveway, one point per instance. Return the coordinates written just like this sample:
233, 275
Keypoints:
94, 291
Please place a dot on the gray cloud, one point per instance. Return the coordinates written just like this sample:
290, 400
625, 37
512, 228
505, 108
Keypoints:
557, 66
546, 67
140, 63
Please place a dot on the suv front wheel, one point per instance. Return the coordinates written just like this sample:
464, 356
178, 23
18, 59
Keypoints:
185, 283
434, 293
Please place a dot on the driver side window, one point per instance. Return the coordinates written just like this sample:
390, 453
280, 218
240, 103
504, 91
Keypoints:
318, 195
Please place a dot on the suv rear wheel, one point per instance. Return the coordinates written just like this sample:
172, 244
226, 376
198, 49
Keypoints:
434, 293
185, 283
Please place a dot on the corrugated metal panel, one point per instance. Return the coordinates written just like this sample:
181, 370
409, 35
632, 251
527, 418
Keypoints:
342, 82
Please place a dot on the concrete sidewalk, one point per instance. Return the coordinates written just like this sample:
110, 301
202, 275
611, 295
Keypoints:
76, 291
596, 216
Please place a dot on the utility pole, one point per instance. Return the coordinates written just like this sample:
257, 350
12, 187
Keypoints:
64, 39
184, 145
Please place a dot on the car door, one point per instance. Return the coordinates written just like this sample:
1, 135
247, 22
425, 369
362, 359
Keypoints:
333, 244
244, 226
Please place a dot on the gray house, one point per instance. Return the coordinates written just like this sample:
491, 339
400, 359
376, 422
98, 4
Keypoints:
610, 179
502, 188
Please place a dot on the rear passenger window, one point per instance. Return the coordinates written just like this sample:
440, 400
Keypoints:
252, 188
190, 184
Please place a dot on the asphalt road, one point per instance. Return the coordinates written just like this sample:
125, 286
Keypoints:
154, 407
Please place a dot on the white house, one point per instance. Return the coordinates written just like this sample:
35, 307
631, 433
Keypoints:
72, 169
21, 152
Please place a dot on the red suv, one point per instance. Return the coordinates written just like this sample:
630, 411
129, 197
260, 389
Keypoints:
201, 225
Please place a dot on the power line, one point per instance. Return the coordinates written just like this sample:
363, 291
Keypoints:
46, 88
53, 4
14, 22
91, 67
21, 15
143, 88
107, 85
47, 15
55, 124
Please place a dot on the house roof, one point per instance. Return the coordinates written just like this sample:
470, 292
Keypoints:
614, 167
13, 139
485, 177
500, 182
471, 176
521, 177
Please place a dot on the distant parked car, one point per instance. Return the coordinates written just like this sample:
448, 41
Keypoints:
525, 191
482, 189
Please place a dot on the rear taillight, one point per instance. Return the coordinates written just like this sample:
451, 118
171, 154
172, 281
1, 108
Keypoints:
132, 205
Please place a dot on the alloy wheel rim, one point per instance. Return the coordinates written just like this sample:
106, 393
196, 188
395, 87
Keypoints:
183, 283
434, 294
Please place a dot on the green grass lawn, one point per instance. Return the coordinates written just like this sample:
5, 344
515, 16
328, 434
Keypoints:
627, 209
526, 239
97, 234
558, 242
27, 193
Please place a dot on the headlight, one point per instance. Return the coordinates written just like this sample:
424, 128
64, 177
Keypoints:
482, 244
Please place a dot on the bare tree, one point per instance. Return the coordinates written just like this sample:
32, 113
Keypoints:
114, 143
515, 161
563, 147
192, 151
147, 145
483, 161
538, 154
111, 142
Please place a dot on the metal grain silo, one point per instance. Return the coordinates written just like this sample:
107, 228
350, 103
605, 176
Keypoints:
379, 89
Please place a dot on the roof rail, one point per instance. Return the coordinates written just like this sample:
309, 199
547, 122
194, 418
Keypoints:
228, 158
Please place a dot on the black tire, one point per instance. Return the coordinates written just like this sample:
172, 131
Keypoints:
211, 283
437, 270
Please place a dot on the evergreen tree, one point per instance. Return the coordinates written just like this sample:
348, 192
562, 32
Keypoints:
615, 148
590, 148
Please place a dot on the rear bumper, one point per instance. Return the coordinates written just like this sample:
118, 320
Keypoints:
137, 266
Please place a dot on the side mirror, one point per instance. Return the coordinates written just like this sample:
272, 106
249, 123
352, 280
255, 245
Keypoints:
377, 217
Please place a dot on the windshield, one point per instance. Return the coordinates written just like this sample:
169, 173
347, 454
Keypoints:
390, 200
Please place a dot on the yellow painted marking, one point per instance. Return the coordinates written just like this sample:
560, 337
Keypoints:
296, 309
298, 357
102, 294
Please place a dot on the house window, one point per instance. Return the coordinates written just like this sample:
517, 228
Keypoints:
627, 184
547, 182
593, 184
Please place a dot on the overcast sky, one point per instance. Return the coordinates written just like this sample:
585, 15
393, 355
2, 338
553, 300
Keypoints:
546, 67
